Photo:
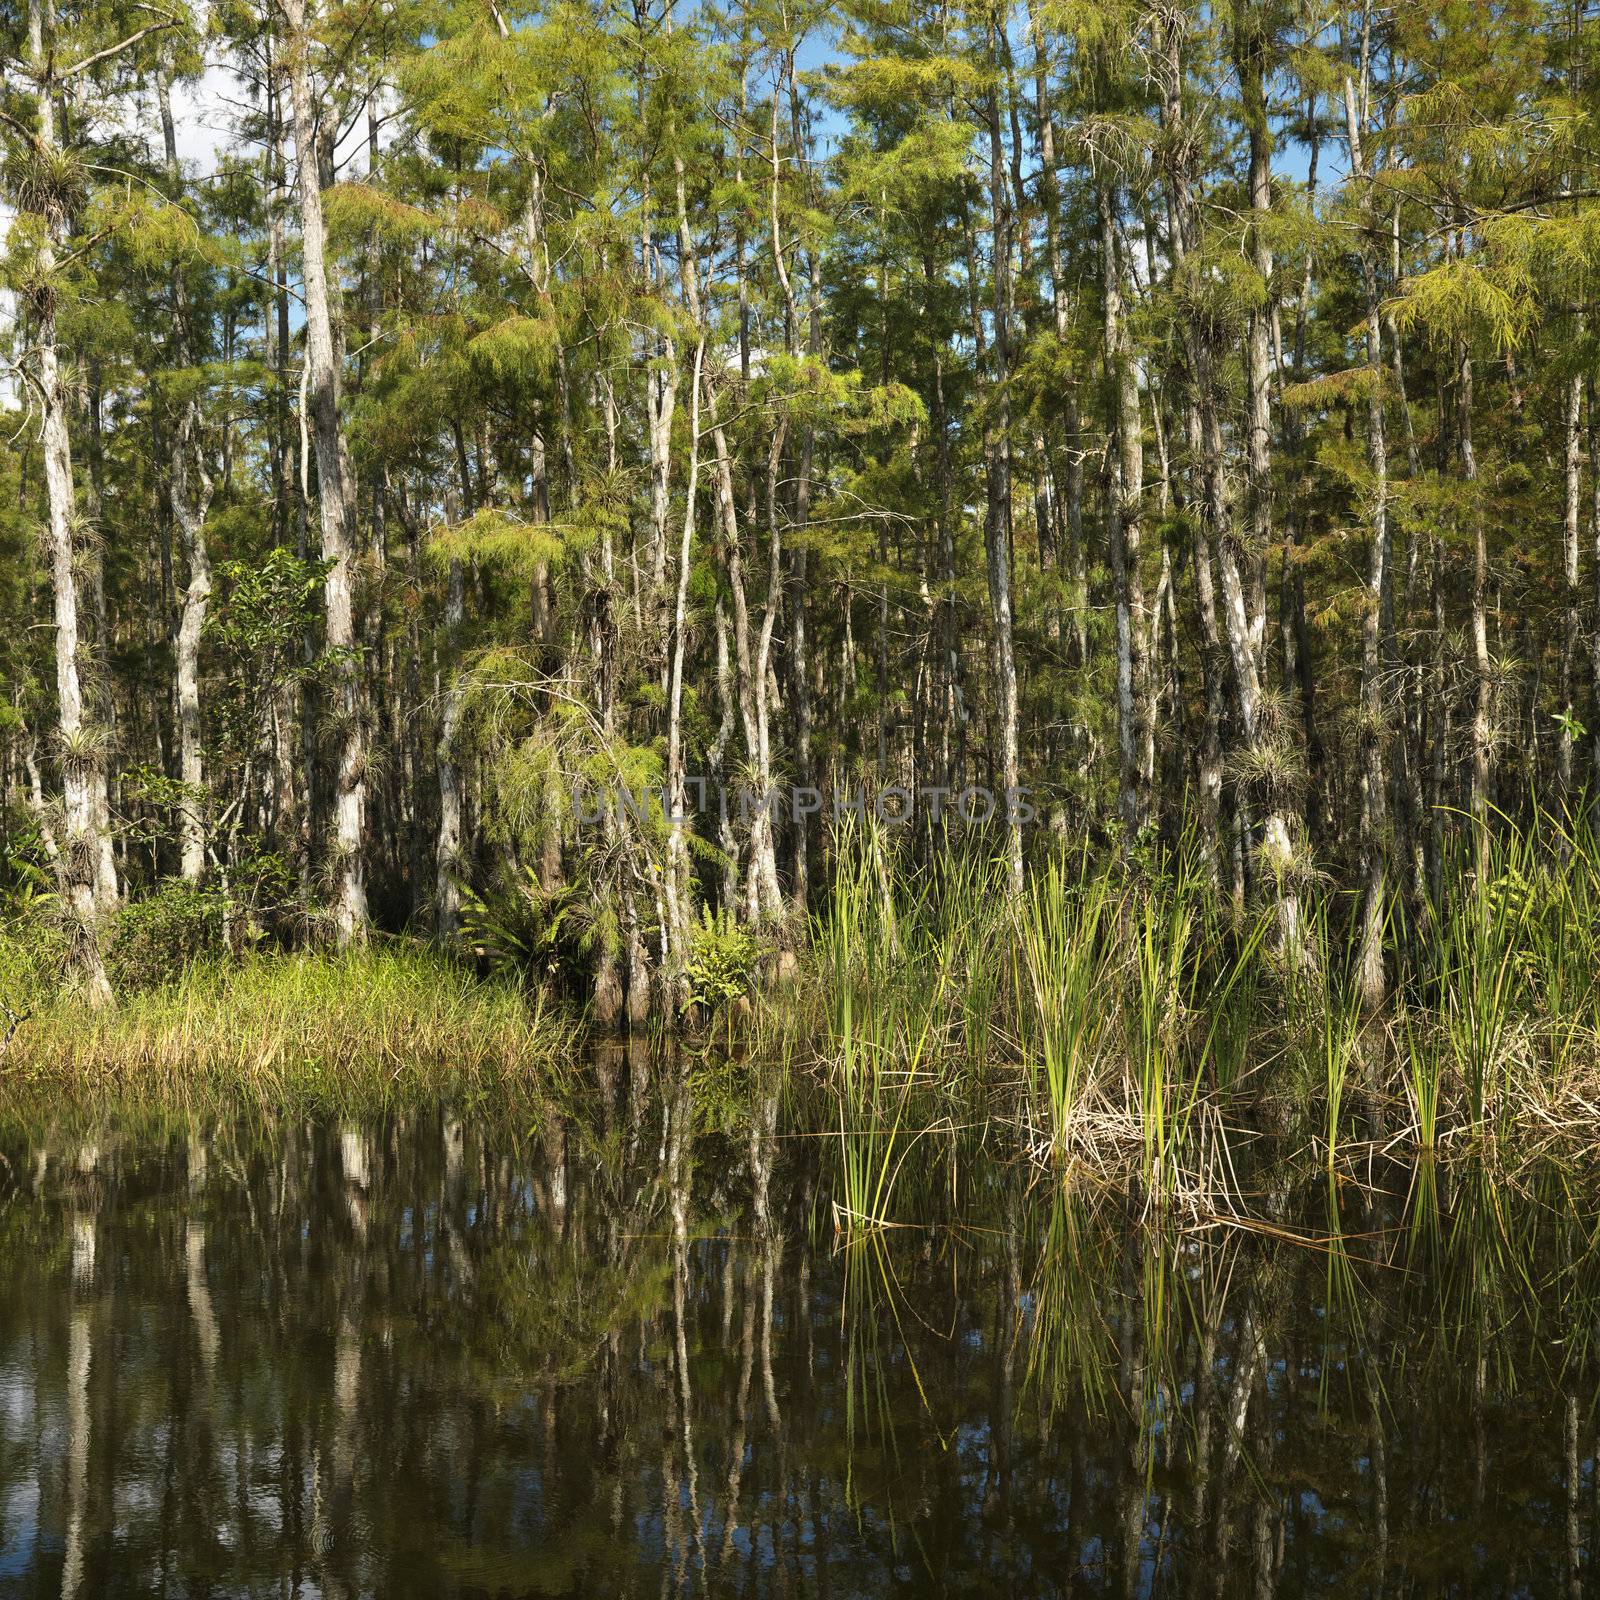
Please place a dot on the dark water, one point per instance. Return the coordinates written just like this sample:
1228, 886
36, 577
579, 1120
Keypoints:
624, 1354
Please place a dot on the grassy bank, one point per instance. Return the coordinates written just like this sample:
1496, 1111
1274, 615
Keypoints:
307, 1030
1130, 1021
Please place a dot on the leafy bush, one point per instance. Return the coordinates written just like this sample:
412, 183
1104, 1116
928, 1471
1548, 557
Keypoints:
522, 928
27, 879
264, 899
722, 960
159, 937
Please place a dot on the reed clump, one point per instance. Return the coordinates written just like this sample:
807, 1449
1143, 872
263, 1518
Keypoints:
1133, 1021
386, 1023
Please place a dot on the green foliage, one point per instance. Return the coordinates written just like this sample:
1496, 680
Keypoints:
158, 937
27, 879
1467, 300
287, 1033
354, 211
157, 233
161, 801
257, 629
521, 929
723, 954
34, 947
498, 537
517, 350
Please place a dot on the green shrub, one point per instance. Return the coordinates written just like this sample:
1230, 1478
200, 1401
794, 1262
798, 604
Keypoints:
520, 928
159, 937
27, 878
722, 960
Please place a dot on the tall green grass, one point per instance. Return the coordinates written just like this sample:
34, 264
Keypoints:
1119, 1017
1336, 1022
1062, 935
1499, 990
373, 1025
1126, 1016
880, 1033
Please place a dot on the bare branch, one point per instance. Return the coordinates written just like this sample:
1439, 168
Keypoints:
113, 49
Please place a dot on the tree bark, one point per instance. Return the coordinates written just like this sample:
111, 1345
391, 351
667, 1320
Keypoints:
1378, 608
190, 501
1125, 512
447, 847
1482, 734
997, 475
85, 887
1572, 624
335, 502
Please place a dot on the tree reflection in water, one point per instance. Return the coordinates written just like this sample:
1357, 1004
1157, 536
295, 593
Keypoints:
622, 1353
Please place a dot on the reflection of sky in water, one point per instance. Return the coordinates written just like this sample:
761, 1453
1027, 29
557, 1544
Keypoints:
19, 1531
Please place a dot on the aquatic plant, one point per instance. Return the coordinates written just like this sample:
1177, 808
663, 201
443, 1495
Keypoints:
1125, 1013
1336, 1024
1061, 932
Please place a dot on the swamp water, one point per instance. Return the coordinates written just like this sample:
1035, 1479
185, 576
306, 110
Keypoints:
627, 1353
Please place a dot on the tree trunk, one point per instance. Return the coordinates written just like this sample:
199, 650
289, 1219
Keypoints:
1125, 515
1378, 609
676, 932
1594, 629
997, 478
190, 501
335, 505
1572, 624
82, 862
1482, 735
447, 848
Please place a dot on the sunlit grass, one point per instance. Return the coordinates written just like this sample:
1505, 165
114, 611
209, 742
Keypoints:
1065, 951
386, 1023
1122, 1019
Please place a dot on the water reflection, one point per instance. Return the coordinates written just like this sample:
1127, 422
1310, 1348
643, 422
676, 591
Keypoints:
623, 1355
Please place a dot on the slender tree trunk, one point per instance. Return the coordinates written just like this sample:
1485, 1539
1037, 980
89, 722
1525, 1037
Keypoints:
335, 501
1378, 608
1594, 628
997, 476
677, 874
447, 847
717, 760
191, 497
763, 844
1482, 734
1240, 562
1125, 515
1276, 849
1572, 623
799, 596
82, 863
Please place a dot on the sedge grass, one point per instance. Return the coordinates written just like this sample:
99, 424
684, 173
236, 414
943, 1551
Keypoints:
1122, 1015
1128, 1016
1061, 938
1337, 1026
